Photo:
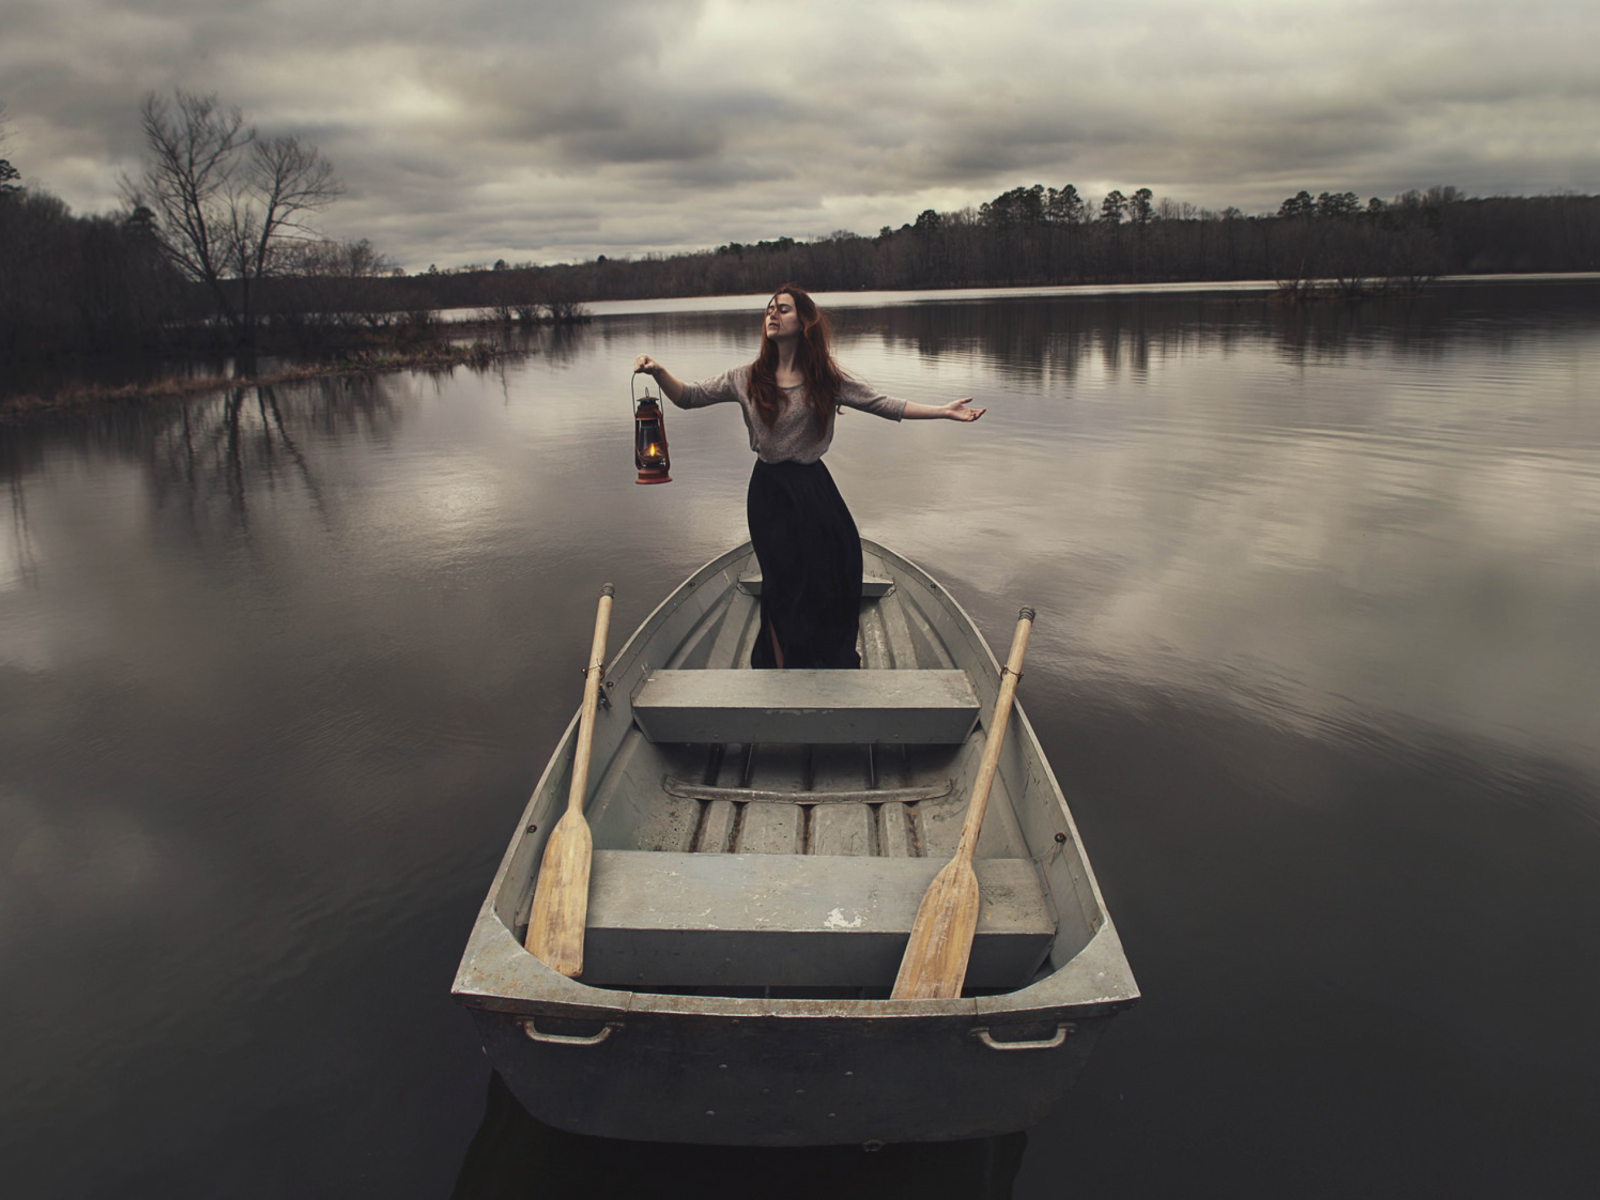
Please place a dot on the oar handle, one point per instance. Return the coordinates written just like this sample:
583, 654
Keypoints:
591, 699
995, 737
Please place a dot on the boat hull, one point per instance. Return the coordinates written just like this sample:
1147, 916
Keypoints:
778, 1081
785, 1066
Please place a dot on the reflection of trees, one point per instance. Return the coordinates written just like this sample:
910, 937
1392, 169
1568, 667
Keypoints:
1056, 337
23, 554
1032, 338
250, 440
214, 447
211, 457
560, 343
19, 457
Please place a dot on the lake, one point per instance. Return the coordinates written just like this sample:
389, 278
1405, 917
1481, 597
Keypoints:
1317, 662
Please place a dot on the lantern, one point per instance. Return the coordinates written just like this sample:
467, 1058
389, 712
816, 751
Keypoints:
650, 441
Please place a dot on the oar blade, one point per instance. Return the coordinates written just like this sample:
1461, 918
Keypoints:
561, 897
935, 962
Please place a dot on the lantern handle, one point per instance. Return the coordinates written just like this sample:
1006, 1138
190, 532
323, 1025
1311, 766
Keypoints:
633, 400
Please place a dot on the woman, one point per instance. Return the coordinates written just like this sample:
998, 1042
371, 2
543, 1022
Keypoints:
804, 537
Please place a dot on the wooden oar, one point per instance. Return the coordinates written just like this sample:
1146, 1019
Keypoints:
561, 897
935, 962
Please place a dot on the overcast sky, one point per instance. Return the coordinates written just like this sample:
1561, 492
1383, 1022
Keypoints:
552, 130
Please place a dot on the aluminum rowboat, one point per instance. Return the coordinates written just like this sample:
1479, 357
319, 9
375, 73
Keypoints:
762, 839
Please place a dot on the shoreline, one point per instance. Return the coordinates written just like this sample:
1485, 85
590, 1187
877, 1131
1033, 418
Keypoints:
75, 399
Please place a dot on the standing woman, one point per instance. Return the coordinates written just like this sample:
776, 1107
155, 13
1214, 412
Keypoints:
804, 537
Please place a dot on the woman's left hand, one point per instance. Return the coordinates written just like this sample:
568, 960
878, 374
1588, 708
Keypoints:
957, 410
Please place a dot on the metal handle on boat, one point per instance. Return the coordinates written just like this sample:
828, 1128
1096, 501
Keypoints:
1062, 1029
560, 1039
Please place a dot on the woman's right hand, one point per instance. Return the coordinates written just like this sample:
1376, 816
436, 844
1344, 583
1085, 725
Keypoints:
671, 387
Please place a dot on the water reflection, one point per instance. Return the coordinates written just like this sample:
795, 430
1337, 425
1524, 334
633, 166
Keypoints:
1317, 662
22, 564
515, 1156
1029, 338
1056, 339
212, 459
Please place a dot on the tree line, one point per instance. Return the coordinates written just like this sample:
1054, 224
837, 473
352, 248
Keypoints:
215, 249
1033, 236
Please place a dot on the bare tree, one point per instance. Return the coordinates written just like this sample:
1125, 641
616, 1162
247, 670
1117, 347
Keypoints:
228, 204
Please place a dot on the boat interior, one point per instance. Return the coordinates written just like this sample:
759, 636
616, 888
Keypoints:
771, 833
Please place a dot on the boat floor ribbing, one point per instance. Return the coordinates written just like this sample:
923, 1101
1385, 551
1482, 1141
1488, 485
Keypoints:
829, 802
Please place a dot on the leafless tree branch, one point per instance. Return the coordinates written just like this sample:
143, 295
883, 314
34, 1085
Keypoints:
227, 202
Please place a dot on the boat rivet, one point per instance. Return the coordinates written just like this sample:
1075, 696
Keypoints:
533, 829
847, 1074
710, 1113
722, 1066
833, 1114
799, 1091
1061, 839
765, 1091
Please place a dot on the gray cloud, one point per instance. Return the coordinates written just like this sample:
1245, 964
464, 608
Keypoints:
552, 130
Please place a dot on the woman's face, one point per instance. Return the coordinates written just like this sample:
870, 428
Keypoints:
782, 320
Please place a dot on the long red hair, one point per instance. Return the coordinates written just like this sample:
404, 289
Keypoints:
813, 358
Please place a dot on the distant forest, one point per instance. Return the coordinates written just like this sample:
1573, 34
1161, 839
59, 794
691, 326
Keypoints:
120, 283
1039, 236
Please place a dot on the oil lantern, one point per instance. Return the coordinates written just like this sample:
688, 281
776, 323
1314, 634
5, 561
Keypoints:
650, 441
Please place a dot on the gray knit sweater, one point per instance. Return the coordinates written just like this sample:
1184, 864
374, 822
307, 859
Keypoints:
793, 436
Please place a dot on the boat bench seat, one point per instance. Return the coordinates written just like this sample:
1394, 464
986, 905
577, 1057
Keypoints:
660, 918
873, 587
821, 707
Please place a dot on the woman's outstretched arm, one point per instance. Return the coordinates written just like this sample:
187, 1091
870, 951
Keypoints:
956, 410
671, 385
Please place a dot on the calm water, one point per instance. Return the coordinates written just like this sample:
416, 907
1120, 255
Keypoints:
1317, 660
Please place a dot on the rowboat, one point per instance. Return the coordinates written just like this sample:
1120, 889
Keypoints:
761, 842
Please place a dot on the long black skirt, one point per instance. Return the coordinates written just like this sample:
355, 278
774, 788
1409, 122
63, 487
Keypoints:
810, 556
